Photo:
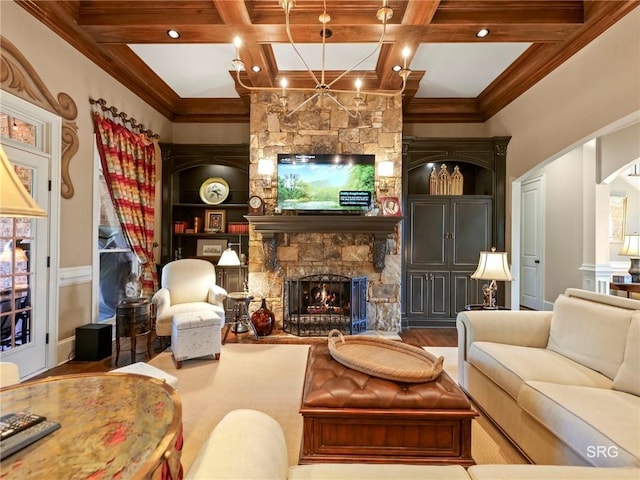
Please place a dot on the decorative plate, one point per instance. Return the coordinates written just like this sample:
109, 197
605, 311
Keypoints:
214, 190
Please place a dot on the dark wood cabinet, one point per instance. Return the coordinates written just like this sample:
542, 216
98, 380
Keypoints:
184, 169
444, 234
443, 243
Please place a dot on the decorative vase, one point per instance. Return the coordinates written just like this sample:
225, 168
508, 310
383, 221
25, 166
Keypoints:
263, 319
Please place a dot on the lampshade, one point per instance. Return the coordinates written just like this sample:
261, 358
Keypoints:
20, 264
15, 201
631, 248
493, 266
7, 254
229, 258
385, 168
265, 167
631, 245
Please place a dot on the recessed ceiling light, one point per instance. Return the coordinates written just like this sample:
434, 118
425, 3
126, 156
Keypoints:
256, 68
396, 68
483, 32
173, 34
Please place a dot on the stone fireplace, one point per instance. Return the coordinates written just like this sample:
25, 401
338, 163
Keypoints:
284, 247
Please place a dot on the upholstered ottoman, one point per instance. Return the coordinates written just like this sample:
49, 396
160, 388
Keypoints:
195, 334
351, 417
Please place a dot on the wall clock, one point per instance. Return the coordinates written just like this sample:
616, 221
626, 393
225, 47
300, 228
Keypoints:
214, 190
256, 205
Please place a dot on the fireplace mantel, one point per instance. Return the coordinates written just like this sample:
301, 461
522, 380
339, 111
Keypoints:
270, 225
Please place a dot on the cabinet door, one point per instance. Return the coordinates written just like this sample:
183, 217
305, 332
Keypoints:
471, 227
428, 295
464, 291
417, 294
428, 228
439, 300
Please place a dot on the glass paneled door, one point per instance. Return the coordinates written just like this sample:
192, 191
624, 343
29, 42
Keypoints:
23, 270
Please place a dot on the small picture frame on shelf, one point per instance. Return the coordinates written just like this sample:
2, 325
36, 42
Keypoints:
211, 247
390, 206
214, 221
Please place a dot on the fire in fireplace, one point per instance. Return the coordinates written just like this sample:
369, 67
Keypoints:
316, 304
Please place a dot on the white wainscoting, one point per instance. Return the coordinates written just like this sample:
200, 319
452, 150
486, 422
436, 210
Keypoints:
75, 275
66, 277
596, 278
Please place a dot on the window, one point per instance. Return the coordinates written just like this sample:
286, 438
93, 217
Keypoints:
18, 130
119, 267
16, 275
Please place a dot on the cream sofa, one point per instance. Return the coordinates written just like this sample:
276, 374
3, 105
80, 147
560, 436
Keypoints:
250, 445
563, 385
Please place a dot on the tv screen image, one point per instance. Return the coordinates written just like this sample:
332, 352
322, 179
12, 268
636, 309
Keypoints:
326, 182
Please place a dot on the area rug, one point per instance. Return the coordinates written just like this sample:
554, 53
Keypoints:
269, 378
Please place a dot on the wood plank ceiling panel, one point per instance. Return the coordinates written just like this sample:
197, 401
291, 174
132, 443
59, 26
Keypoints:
102, 29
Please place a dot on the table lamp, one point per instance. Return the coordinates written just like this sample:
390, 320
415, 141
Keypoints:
495, 267
230, 258
631, 248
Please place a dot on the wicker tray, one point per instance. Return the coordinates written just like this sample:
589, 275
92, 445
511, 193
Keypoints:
383, 358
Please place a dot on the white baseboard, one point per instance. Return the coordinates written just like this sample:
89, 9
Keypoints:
65, 350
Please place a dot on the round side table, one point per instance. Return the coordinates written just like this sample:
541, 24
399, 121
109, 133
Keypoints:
133, 318
241, 321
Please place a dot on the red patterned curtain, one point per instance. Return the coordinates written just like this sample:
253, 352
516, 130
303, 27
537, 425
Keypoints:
129, 167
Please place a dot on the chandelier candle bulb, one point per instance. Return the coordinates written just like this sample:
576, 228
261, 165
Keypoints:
237, 42
405, 54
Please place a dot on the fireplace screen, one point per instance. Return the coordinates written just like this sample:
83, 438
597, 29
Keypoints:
316, 304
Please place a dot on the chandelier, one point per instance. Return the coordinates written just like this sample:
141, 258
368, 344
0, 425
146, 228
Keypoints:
323, 89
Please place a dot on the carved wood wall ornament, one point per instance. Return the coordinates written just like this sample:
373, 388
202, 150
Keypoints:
18, 77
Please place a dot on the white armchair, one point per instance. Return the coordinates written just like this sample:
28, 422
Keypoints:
187, 285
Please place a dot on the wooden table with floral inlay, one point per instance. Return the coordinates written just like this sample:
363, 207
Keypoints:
113, 425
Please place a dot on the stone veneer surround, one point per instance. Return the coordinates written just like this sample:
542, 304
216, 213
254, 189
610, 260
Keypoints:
326, 128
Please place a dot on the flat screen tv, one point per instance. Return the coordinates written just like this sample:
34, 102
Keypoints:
326, 182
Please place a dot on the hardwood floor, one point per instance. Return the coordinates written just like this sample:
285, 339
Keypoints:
434, 337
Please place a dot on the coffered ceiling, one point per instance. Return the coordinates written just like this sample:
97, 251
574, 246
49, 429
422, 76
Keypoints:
455, 76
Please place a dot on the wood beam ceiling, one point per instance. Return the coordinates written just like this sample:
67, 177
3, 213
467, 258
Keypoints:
101, 30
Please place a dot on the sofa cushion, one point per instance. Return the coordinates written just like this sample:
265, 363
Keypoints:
601, 425
245, 445
361, 471
590, 333
510, 366
550, 472
628, 377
